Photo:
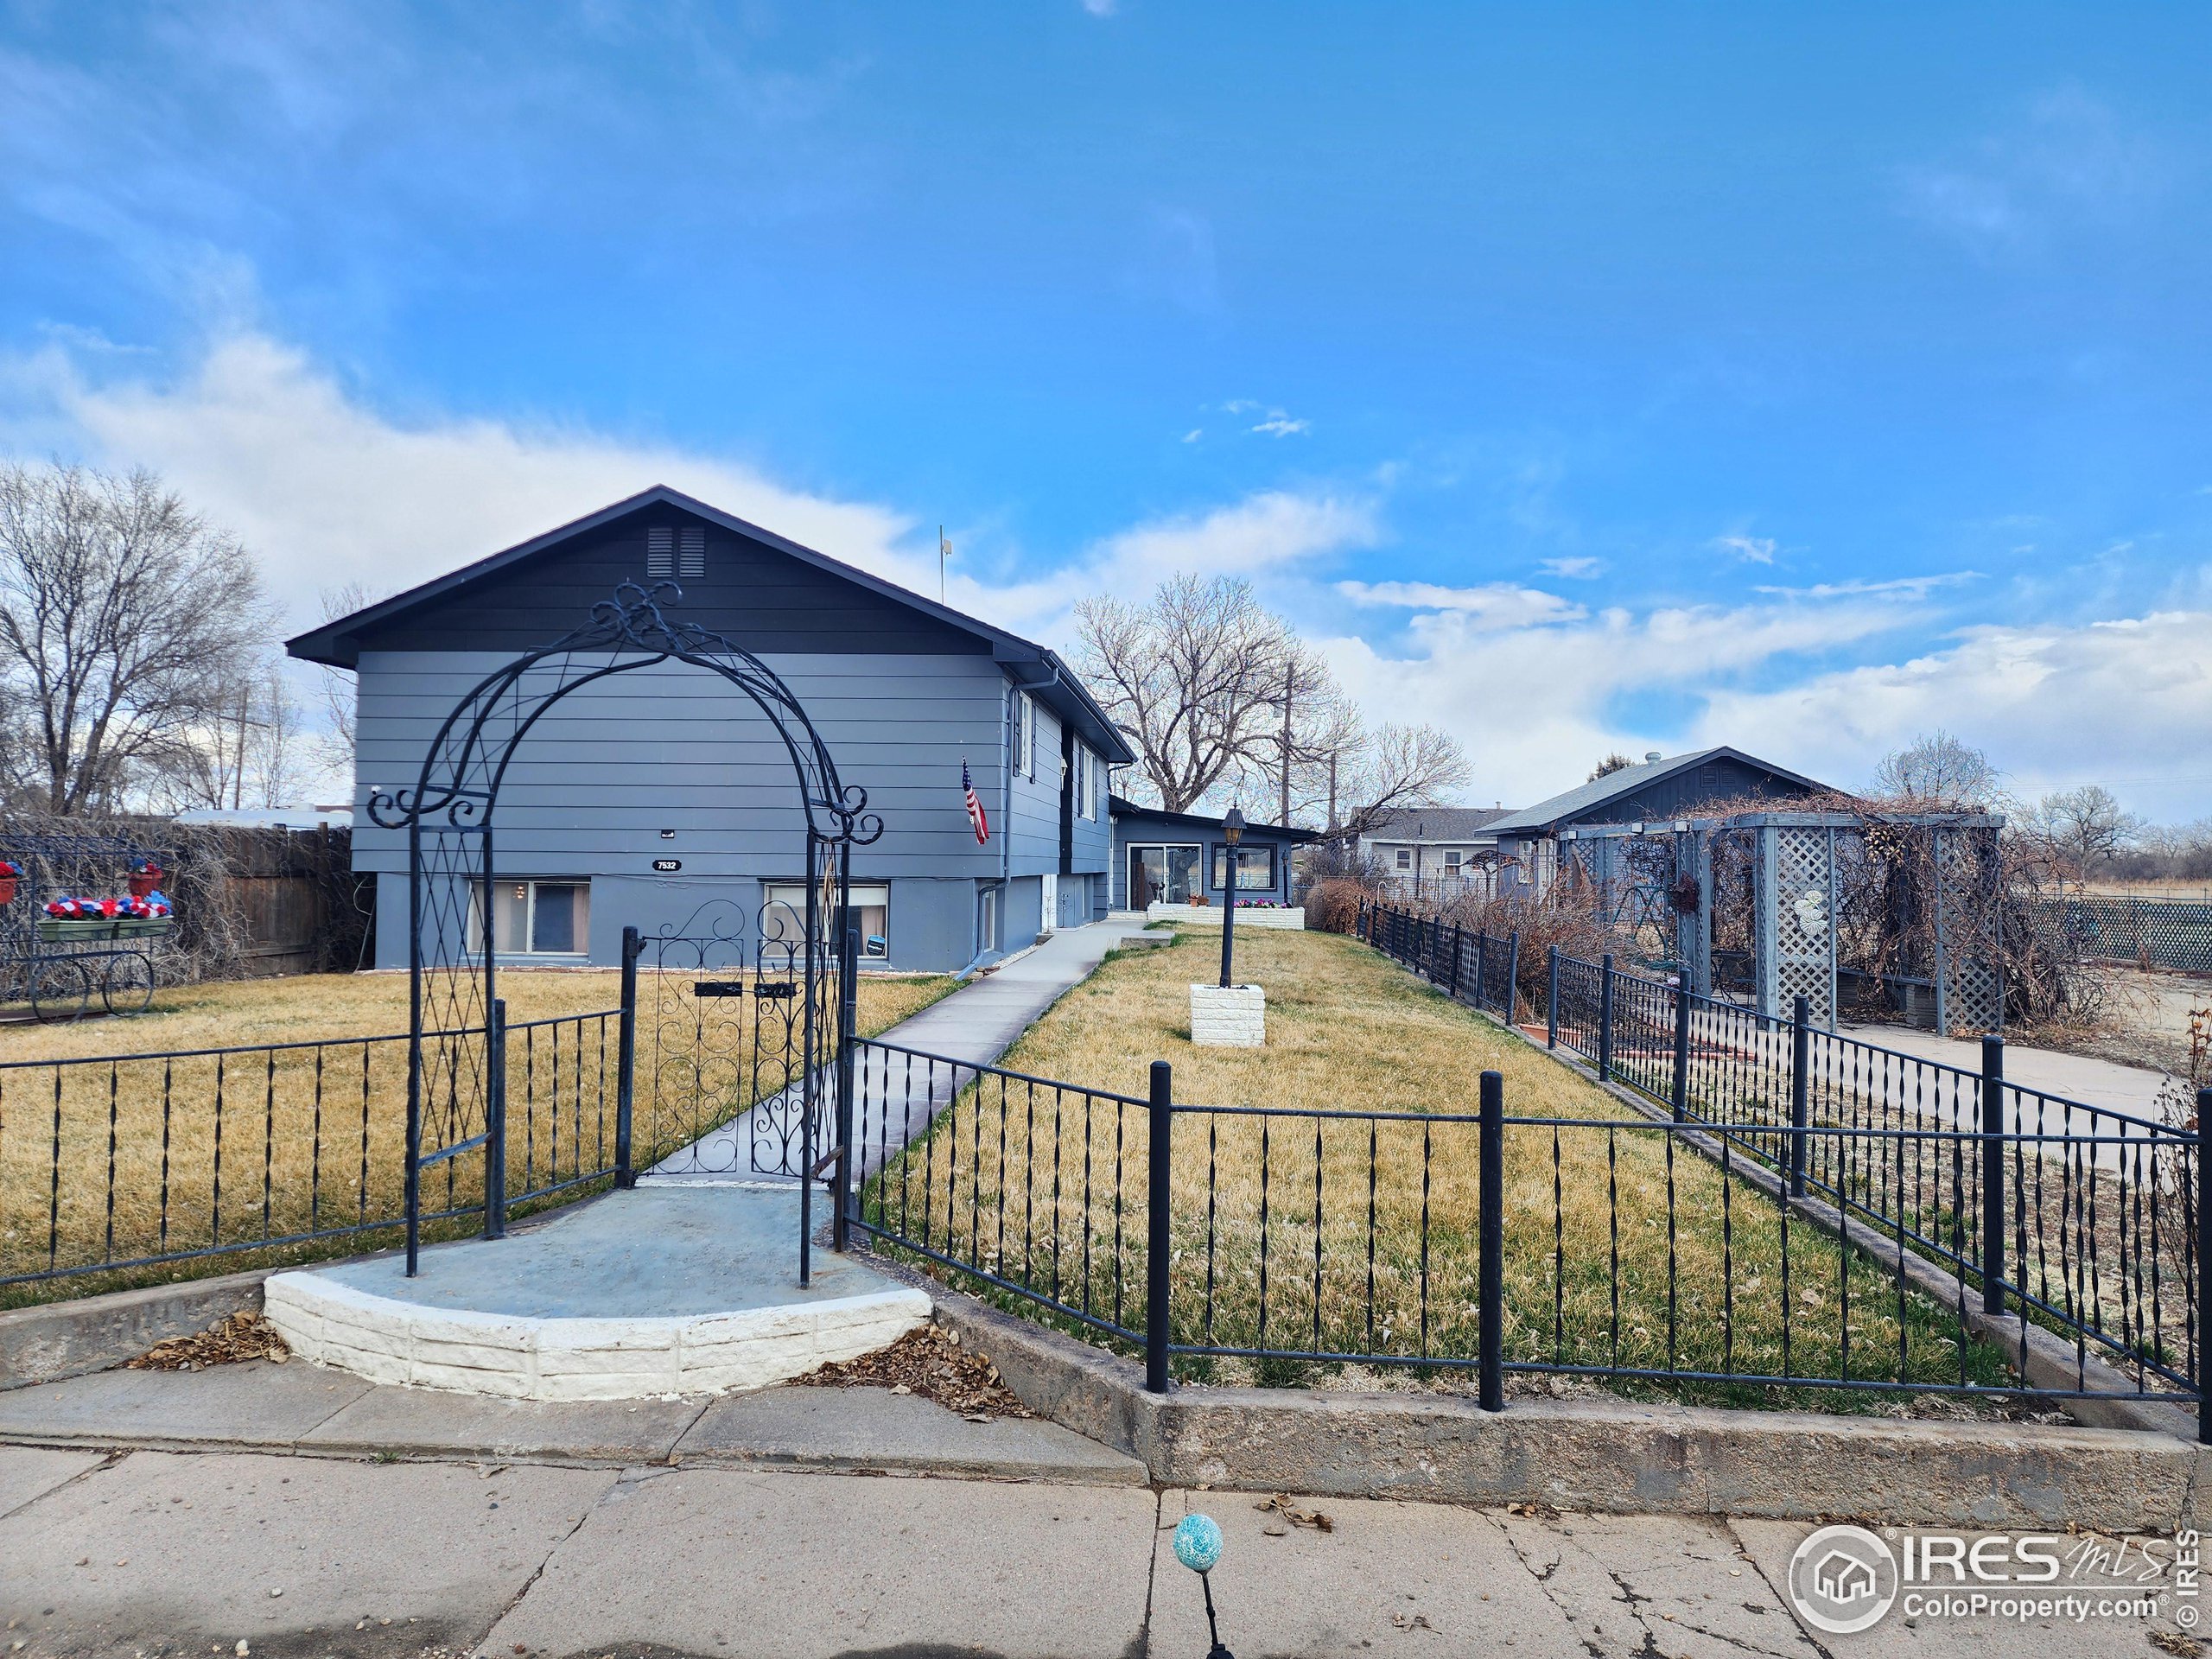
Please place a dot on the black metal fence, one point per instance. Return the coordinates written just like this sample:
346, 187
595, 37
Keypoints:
2157, 932
129, 1161
1795, 1210
2088, 1218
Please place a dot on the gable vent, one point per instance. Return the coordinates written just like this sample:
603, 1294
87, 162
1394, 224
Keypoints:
692, 549
660, 553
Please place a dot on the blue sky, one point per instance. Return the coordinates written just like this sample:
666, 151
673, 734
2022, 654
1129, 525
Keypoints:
1619, 377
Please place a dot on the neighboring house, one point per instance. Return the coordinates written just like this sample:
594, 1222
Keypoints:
272, 818
1436, 852
1171, 857
1660, 790
639, 798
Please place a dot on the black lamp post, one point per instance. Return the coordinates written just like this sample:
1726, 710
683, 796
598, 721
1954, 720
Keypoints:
1232, 830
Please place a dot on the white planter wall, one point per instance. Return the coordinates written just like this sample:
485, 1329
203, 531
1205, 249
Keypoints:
1210, 916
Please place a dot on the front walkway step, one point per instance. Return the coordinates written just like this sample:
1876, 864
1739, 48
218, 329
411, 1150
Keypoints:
874, 1428
661, 1291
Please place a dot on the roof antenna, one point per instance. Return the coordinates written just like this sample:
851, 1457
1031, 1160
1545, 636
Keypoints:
944, 552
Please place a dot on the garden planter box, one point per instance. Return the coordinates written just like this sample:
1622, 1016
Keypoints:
1229, 1016
8, 888
55, 929
1246, 915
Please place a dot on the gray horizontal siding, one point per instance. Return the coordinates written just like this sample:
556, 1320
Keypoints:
669, 747
1033, 813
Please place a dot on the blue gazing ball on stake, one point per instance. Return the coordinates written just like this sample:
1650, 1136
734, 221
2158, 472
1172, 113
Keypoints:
1197, 1543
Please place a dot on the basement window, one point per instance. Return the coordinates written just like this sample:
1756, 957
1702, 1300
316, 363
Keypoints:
541, 919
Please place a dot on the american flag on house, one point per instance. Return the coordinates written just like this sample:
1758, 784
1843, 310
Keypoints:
977, 821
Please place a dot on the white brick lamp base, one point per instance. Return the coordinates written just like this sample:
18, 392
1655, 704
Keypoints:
1229, 1016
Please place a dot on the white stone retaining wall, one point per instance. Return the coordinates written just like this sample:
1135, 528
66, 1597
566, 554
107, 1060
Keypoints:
1293, 916
387, 1340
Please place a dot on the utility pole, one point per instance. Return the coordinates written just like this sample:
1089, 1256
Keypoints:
1289, 680
944, 553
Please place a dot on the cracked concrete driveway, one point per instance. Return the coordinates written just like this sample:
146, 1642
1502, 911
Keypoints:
147, 1553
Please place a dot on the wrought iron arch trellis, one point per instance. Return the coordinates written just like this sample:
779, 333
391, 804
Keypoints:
454, 1061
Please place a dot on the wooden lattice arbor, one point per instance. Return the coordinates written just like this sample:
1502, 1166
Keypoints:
1881, 914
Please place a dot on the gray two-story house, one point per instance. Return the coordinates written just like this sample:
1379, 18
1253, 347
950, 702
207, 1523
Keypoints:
641, 797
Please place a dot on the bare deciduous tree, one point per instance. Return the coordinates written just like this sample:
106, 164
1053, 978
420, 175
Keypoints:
1399, 767
2086, 826
1192, 678
1939, 769
126, 620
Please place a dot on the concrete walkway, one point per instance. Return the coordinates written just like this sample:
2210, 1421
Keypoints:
975, 1025
2131, 1089
147, 1553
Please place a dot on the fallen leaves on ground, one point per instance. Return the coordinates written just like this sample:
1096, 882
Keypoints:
245, 1335
1296, 1515
932, 1363
2174, 1642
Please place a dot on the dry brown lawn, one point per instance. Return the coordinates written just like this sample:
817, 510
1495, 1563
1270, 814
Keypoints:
139, 1148
1300, 1233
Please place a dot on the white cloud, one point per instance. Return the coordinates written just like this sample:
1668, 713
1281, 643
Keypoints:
325, 490
2127, 700
1496, 605
1574, 570
2070, 160
1194, 434
1100, 8
1896, 587
1752, 550
1280, 425
1268, 531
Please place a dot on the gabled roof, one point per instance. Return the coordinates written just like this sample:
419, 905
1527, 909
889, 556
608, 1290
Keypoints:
1121, 807
339, 643
1615, 786
1437, 824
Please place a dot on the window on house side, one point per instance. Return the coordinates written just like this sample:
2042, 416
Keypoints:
1405, 858
540, 919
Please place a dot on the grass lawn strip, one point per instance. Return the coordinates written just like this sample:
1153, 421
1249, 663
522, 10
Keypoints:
1622, 1248
308, 1139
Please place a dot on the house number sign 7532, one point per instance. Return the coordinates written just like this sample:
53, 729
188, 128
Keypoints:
667, 865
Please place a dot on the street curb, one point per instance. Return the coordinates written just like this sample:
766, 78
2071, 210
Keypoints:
1612, 1456
54, 1340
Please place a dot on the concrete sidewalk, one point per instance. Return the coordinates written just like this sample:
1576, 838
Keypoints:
304, 1408
163, 1552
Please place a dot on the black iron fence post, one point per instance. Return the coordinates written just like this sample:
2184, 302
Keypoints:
1512, 974
1551, 999
625, 1061
1481, 963
1605, 1017
495, 1119
2203, 1263
1992, 1174
1160, 1130
1800, 1090
1681, 1093
1451, 980
1491, 1269
841, 1225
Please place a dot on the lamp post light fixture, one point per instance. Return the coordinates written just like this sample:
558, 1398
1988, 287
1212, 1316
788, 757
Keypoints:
1232, 831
